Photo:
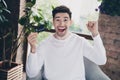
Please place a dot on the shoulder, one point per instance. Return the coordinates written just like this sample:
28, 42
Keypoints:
79, 40
77, 37
44, 41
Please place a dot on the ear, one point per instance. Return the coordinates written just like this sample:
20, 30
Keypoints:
71, 22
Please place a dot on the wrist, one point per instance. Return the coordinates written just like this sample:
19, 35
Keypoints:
33, 49
94, 34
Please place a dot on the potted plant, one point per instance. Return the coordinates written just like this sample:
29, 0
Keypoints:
31, 23
8, 69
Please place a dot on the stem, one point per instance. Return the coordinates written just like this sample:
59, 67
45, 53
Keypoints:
4, 56
4, 36
10, 61
19, 35
12, 45
14, 51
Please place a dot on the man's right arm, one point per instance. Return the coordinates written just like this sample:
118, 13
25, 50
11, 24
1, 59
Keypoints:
32, 66
35, 59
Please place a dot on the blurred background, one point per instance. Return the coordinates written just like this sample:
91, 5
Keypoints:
13, 29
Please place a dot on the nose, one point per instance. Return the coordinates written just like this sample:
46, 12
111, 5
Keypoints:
61, 23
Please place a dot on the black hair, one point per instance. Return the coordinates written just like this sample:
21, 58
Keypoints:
61, 9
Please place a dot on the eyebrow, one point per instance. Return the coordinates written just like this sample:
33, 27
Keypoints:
59, 17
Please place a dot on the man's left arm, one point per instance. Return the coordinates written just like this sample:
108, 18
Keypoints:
95, 53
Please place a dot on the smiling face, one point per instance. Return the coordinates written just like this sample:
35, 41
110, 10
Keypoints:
62, 22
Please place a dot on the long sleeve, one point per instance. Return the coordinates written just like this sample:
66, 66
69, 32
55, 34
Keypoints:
95, 52
34, 63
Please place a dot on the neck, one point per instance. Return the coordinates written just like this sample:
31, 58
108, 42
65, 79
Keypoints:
61, 37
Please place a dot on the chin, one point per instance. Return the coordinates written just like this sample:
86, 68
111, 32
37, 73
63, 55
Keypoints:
62, 34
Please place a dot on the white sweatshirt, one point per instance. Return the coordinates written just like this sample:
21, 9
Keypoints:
63, 59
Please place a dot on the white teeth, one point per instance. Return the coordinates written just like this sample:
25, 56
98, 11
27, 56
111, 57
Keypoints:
61, 28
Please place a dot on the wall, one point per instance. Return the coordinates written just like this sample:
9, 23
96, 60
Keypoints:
109, 27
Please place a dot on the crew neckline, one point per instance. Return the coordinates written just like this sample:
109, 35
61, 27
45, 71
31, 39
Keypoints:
62, 40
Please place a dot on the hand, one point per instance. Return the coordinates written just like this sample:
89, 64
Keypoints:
93, 27
32, 39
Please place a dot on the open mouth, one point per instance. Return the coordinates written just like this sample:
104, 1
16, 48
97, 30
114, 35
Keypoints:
61, 29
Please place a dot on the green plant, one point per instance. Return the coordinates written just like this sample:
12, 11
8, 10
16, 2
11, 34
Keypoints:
34, 22
3, 23
3, 10
31, 21
7, 33
110, 7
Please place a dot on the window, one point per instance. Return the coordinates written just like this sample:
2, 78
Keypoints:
82, 11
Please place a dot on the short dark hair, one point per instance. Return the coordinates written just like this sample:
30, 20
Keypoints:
61, 9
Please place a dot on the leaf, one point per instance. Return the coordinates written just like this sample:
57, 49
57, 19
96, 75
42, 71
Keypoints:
1, 11
33, 2
30, 13
39, 9
23, 20
53, 7
6, 10
41, 15
4, 3
1, 20
2, 6
29, 4
37, 19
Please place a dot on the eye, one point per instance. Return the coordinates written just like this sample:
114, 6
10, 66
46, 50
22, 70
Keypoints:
57, 20
65, 20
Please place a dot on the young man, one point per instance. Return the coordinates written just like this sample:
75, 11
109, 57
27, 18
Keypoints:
62, 53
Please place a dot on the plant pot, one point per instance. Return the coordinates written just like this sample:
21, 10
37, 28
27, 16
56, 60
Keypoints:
13, 71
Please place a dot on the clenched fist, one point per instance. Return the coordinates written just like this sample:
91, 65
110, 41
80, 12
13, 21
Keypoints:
93, 27
32, 39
